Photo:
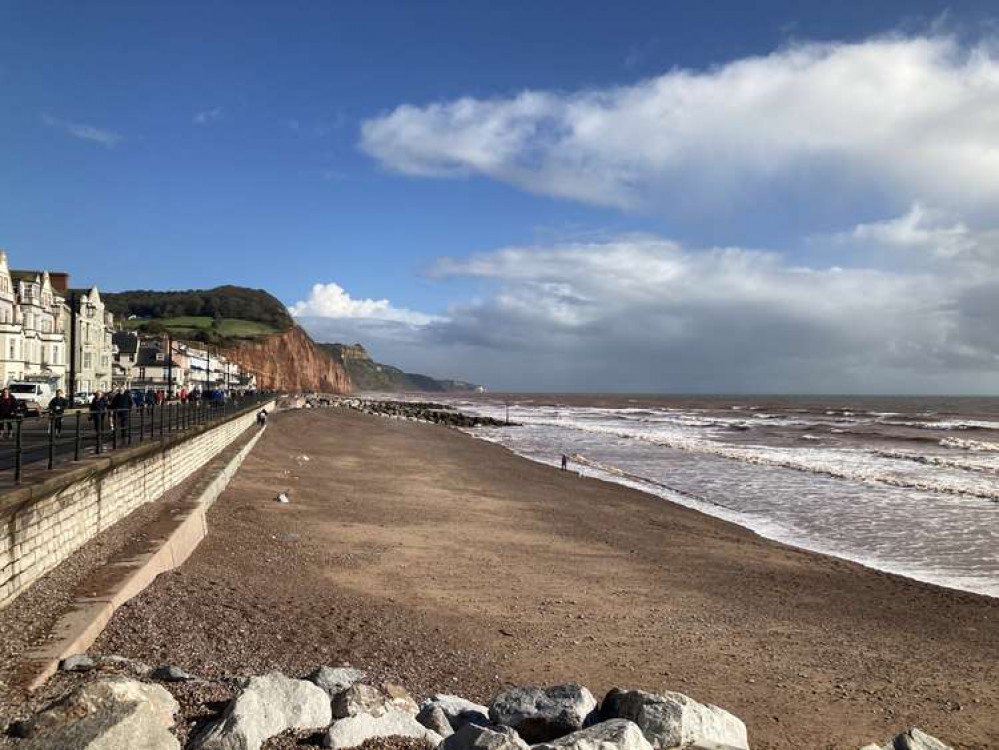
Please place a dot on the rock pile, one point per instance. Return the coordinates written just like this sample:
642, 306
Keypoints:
420, 411
338, 706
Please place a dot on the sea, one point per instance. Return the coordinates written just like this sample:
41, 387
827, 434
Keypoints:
908, 485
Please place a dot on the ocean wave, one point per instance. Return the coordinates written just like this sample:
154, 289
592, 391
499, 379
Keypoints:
855, 464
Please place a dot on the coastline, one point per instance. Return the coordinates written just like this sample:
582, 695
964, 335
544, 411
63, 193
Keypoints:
451, 564
764, 529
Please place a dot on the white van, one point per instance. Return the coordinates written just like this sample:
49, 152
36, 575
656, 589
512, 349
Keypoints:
36, 396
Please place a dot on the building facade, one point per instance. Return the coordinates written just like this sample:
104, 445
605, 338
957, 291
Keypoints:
32, 326
94, 340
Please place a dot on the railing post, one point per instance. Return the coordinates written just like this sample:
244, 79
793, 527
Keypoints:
115, 429
142, 423
51, 442
18, 458
76, 439
161, 408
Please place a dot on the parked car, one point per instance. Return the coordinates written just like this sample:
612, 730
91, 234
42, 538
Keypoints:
34, 397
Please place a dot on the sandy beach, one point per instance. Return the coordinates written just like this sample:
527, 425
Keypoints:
451, 565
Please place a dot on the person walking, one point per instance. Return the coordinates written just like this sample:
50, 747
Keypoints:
121, 405
8, 411
98, 412
183, 395
565, 462
150, 397
57, 407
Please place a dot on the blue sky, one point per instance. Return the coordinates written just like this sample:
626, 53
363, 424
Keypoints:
285, 145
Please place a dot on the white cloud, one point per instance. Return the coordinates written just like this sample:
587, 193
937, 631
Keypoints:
83, 131
208, 116
332, 301
921, 229
913, 118
643, 313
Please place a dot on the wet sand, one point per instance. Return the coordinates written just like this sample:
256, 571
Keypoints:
449, 564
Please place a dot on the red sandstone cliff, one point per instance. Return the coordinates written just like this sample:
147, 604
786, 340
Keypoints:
290, 361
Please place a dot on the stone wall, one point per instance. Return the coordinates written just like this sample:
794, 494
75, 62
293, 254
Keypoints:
42, 525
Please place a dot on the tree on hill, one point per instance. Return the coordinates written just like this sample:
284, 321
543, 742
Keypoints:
220, 302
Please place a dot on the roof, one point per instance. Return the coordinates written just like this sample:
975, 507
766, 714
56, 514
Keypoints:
31, 276
147, 358
127, 343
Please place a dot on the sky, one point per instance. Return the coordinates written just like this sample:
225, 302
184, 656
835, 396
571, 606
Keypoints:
685, 197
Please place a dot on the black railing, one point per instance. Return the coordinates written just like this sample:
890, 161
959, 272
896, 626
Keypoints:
40, 443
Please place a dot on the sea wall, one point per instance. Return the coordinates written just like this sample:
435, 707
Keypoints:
43, 524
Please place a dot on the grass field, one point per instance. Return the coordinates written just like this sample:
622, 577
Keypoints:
187, 325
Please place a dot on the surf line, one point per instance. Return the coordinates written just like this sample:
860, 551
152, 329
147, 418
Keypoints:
579, 458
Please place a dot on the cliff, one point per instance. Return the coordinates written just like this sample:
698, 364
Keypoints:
290, 361
368, 375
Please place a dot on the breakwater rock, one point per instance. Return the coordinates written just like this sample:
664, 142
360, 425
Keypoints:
121, 700
420, 411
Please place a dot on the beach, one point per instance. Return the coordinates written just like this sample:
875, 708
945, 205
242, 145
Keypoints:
449, 564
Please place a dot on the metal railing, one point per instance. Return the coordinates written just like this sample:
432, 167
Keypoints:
42, 442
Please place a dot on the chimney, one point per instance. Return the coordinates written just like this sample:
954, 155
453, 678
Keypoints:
59, 281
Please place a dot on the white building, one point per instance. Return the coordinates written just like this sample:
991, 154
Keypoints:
32, 328
94, 343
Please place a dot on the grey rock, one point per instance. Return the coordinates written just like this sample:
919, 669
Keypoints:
542, 715
915, 739
355, 730
336, 679
433, 718
399, 698
459, 711
108, 714
77, 663
614, 734
359, 699
475, 737
672, 720
366, 699
170, 673
266, 706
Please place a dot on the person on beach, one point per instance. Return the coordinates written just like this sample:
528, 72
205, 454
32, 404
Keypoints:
8, 411
57, 407
565, 462
262, 417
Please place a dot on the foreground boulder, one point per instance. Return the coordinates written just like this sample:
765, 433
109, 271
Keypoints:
475, 737
615, 734
459, 711
672, 720
336, 679
365, 699
434, 719
108, 714
913, 739
267, 706
355, 730
541, 715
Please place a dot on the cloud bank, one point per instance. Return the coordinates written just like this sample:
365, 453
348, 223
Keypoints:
334, 302
644, 313
913, 118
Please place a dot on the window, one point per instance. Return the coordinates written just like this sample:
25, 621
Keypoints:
13, 353
87, 360
55, 354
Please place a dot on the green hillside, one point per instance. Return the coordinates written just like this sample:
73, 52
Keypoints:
368, 375
214, 316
